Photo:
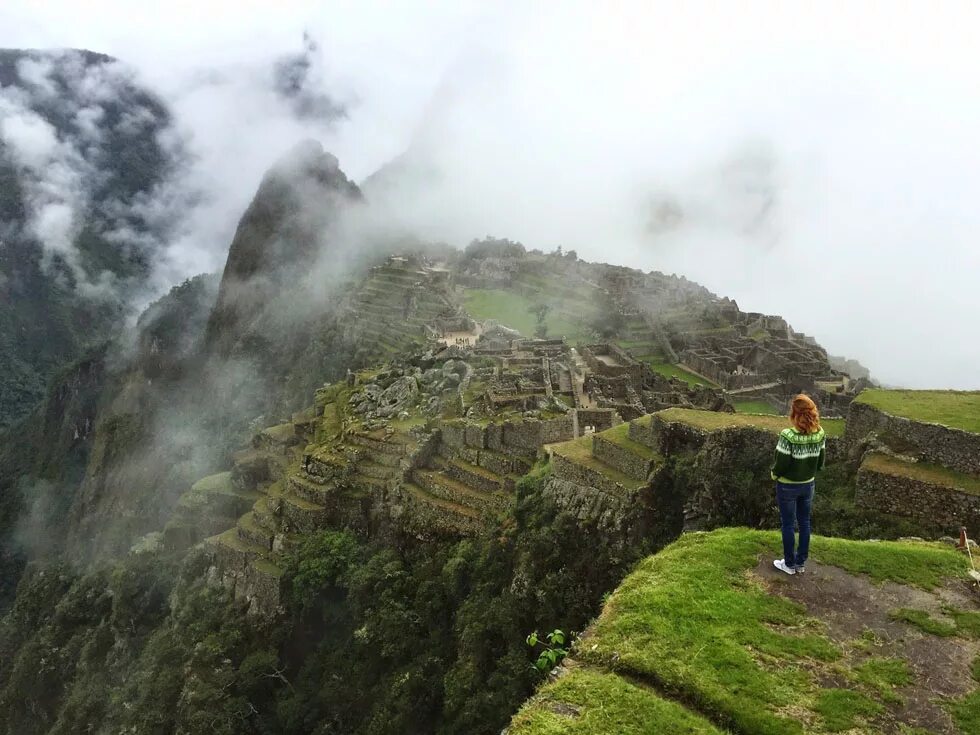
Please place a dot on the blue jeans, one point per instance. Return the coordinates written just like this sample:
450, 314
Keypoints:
794, 508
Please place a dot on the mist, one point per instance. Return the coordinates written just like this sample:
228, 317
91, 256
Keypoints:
817, 162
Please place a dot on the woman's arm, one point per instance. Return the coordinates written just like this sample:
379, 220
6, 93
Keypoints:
783, 459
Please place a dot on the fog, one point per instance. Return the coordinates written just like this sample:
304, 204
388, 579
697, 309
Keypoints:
813, 161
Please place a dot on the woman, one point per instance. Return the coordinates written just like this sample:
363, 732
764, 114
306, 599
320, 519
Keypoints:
800, 454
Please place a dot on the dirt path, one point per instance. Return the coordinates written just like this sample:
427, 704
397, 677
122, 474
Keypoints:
857, 615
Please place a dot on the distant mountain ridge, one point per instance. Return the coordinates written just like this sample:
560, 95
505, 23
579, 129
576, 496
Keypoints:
79, 158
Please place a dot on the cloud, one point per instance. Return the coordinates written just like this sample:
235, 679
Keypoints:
815, 161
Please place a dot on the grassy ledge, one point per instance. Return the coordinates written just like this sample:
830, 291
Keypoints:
588, 702
955, 409
696, 621
923, 471
713, 421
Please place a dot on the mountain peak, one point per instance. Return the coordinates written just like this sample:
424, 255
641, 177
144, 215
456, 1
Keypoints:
281, 233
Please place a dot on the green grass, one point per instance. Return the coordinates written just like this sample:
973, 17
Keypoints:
763, 407
975, 669
514, 310
588, 702
966, 712
967, 623
267, 567
924, 622
842, 709
923, 471
956, 409
669, 370
691, 620
917, 564
883, 675
713, 420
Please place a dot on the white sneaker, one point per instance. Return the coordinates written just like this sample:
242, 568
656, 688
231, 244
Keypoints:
800, 570
781, 566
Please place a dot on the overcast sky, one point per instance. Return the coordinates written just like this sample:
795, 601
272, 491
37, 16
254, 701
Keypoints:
815, 160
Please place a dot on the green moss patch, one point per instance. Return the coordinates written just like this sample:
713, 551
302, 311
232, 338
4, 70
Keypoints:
964, 624
884, 675
219, 483
966, 712
713, 421
843, 709
922, 471
924, 622
917, 564
956, 409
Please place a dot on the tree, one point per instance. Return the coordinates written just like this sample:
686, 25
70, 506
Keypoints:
540, 312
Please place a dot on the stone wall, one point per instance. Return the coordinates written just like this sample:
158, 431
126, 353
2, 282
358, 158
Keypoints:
512, 437
579, 474
627, 365
631, 465
952, 448
934, 505
666, 437
600, 418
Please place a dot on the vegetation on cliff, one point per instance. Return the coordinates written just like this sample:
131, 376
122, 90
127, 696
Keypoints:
377, 640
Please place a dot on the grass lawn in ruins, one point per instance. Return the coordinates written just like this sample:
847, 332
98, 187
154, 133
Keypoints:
711, 420
669, 370
956, 409
514, 310
695, 620
763, 407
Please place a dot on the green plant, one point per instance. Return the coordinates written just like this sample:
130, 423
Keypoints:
553, 649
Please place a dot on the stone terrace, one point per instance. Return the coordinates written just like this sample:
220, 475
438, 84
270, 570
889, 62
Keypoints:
921, 455
395, 304
611, 462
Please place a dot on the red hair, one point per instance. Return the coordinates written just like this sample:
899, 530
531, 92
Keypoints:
804, 415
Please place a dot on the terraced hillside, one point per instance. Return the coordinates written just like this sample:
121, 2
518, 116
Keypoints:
385, 455
389, 310
704, 637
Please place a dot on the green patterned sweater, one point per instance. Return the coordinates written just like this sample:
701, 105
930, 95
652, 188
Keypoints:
798, 456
